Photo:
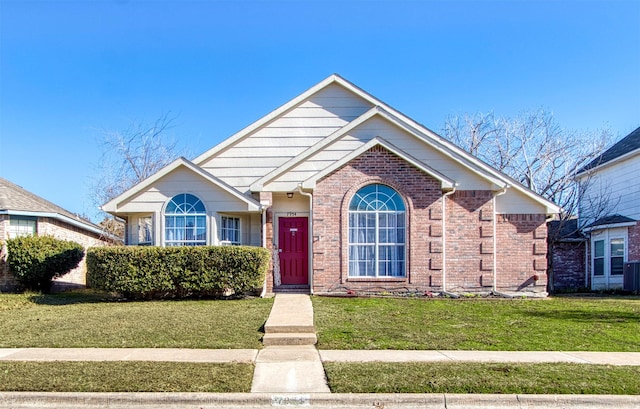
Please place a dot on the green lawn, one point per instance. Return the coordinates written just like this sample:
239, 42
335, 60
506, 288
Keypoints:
563, 378
125, 377
560, 323
86, 319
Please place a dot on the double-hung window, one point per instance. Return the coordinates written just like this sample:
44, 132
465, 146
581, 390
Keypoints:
230, 230
377, 233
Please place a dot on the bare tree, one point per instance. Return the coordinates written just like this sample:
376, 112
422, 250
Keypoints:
129, 157
533, 149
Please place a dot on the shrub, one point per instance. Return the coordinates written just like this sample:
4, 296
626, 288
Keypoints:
170, 272
36, 260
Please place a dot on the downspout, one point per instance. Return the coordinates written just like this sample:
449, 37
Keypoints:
495, 239
310, 238
444, 238
263, 215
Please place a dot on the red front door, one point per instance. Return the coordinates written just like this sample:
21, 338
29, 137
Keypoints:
293, 243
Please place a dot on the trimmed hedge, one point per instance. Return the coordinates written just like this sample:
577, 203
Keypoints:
176, 272
36, 260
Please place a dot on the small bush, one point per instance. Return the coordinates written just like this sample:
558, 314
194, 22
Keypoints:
36, 260
176, 272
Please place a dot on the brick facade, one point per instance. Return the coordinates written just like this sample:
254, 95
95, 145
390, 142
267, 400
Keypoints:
52, 227
464, 234
521, 252
634, 242
422, 197
568, 258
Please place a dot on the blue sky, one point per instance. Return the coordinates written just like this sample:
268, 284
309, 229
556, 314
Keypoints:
69, 69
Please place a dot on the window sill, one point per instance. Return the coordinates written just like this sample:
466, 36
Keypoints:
378, 279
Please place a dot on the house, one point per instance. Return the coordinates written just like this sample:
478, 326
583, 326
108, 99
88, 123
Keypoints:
349, 194
567, 254
610, 211
23, 213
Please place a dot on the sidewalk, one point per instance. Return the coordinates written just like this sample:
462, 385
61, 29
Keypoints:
306, 353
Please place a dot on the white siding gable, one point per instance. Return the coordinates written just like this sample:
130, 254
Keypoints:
285, 137
621, 182
182, 180
360, 135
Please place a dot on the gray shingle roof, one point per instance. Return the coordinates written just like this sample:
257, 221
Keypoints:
611, 219
627, 144
16, 198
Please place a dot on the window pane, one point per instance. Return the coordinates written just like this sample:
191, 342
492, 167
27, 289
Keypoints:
598, 248
617, 248
598, 267
617, 266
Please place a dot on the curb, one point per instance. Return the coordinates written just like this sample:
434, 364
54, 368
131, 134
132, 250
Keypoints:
144, 400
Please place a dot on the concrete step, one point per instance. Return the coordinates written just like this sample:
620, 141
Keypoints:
288, 329
294, 338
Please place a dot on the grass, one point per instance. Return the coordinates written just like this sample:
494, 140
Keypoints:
482, 378
561, 324
86, 319
125, 377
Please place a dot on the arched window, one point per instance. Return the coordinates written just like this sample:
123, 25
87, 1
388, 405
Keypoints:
377, 233
185, 221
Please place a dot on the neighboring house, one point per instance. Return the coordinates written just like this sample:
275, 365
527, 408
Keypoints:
610, 211
350, 195
567, 254
23, 213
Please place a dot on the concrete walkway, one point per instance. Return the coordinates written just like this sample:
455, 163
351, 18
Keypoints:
290, 361
299, 354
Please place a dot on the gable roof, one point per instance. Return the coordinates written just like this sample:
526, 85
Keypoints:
630, 144
447, 183
414, 128
15, 200
112, 205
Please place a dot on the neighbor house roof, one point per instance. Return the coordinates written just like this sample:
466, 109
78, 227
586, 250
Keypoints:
15, 200
565, 230
628, 145
614, 220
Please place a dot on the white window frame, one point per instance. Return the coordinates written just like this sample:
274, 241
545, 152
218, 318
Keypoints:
148, 228
185, 215
21, 226
377, 244
224, 230
607, 236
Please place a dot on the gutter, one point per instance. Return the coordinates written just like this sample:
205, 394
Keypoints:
310, 238
58, 216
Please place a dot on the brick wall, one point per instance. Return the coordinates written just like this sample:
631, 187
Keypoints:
469, 241
568, 260
422, 196
521, 241
634, 242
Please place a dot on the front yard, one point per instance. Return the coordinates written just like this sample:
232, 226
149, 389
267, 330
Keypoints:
92, 320
88, 319
553, 324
